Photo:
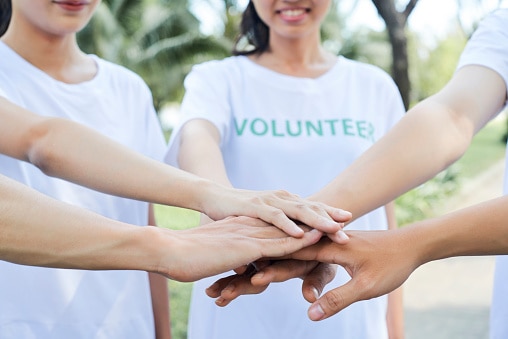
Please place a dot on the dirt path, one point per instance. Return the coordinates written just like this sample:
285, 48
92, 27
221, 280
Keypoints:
450, 298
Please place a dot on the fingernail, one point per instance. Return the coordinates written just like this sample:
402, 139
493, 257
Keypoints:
258, 275
316, 312
342, 235
344, 214
315, 292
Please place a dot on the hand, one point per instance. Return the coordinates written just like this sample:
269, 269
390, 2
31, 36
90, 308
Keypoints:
258, 276
280, 208
378, 262
227, 244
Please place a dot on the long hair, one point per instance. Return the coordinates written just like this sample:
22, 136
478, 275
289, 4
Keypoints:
253, 32
5, 15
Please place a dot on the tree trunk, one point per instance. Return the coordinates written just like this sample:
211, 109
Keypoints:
396, 23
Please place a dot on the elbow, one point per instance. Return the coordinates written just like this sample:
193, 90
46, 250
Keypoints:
41, 145
460, 135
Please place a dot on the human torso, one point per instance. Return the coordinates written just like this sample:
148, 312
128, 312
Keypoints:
297, 134
39, 302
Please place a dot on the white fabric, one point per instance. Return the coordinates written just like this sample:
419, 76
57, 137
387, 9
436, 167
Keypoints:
489, 47
52, 303
282, 132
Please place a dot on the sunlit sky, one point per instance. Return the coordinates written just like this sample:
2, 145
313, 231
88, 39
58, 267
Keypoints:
432, 18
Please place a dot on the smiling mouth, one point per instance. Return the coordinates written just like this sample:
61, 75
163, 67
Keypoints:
293, 12
71, 3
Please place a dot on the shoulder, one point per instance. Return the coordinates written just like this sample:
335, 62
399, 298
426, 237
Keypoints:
364, 72
225, 67
492, 30
488, 45
118, 75
496, 19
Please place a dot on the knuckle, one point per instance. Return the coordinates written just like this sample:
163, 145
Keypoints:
315, 208
285, 194
334, 300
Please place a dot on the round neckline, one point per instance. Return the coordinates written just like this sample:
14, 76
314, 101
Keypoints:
49, 77
269, 72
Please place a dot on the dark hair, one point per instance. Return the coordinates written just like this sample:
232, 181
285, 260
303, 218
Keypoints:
253, 32
5, 15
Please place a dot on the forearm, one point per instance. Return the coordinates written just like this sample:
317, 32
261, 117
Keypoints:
403, 159
64, 149
478, 230
160, 296
431, 136
395, 314
37, 230
160, 305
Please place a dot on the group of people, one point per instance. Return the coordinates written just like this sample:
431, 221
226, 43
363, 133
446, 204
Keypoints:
280, 120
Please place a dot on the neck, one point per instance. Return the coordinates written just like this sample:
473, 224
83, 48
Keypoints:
296, 57
57, 55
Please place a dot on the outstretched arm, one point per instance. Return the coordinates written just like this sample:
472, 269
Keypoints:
38, 230
430, 137
70, 151
379, 262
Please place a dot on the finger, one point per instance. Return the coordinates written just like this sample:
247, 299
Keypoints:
239, 286
281, 271
339, 237
317, 215
214, 290
241, 269
316, 280
339, 214
279, 219
333, 302
283, 246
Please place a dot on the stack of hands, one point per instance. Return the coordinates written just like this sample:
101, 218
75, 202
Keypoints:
312, 252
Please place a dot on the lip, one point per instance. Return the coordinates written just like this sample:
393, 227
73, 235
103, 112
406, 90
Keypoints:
72, 6
292, 14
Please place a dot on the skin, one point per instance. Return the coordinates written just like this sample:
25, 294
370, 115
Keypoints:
50, 27
295, 49
50, 143
72, 237
395, 164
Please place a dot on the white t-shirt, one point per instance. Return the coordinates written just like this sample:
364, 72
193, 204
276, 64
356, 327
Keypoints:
489, 47
297, 134
52, 303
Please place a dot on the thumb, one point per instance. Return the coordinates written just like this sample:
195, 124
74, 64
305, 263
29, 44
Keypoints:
316, 280
333, 302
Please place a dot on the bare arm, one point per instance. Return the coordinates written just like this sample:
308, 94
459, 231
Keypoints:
160, 296
40, 231
200, 154
395, 306
477, 230
64, 149
431, 136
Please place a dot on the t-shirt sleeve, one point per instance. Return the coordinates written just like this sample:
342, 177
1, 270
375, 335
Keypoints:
206, 97
488, 45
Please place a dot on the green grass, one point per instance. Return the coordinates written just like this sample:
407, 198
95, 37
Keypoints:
485, 149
